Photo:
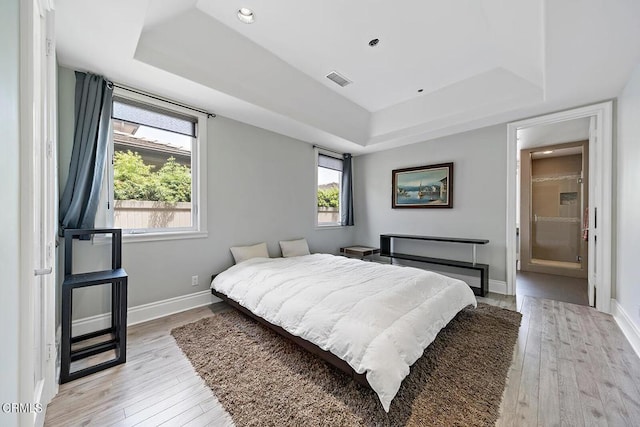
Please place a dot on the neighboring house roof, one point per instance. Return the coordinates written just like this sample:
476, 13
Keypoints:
154, 152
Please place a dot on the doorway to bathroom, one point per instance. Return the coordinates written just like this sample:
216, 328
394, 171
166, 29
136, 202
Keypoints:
559, 206
554, 205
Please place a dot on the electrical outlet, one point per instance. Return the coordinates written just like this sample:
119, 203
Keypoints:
194, 280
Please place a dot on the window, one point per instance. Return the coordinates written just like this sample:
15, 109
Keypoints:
329, 177
155, 183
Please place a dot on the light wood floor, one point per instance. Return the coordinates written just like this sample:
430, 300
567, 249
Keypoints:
157, 385
572, 366
551, 286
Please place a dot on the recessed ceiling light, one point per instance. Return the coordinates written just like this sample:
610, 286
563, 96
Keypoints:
246, 15
547, 152
374, 42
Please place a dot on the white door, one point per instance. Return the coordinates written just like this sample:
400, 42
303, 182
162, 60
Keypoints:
39, 207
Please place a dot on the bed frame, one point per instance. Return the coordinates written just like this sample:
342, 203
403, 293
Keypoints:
325, 355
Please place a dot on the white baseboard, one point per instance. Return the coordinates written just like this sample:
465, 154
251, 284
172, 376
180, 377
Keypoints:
498, 286
629, 329
145, 312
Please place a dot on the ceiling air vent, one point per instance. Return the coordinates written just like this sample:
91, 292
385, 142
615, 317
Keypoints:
338, 79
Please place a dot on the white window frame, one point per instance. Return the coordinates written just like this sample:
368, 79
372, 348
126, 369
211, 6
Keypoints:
324, 225
198, 227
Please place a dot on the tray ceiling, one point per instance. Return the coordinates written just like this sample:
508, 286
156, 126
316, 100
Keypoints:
477, 63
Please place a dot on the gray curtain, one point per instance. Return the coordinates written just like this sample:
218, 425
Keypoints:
81, 194
346, 193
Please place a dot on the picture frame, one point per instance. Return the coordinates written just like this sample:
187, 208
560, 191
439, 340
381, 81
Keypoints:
423, 187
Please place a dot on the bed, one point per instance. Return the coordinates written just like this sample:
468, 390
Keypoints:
368, 319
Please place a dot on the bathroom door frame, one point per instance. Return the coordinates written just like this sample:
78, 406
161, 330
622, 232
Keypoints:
600, 197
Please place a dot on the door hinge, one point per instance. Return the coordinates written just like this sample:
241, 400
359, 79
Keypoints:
49, 47
51, 352
49, 149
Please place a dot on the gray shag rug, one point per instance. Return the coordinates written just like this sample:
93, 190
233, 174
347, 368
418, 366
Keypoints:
263, 379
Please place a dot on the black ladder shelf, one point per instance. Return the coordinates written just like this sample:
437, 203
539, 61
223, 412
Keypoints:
71, 349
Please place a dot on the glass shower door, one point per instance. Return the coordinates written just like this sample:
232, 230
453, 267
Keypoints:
556, 212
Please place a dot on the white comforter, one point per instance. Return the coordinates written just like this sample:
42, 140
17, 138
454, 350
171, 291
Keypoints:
378, 318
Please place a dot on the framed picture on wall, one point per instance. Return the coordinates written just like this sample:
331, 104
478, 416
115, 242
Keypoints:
423, 187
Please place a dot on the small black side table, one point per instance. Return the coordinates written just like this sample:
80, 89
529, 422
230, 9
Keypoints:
360, 251
117, 333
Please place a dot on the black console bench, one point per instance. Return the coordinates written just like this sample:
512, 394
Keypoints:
385, 250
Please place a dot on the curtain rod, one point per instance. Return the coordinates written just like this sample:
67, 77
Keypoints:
326, 149
139, 92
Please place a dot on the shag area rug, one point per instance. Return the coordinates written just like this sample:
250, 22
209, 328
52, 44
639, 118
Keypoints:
263, 379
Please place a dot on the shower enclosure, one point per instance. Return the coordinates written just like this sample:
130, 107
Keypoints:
554, 204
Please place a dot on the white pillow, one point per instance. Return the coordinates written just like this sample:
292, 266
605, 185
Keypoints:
243, 253
294, 248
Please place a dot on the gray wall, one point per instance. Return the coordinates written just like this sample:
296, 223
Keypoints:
242, 159
479, 201
628, 206
10, 202
260, 188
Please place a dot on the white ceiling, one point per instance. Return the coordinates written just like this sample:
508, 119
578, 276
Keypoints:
421, 47
479, 62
